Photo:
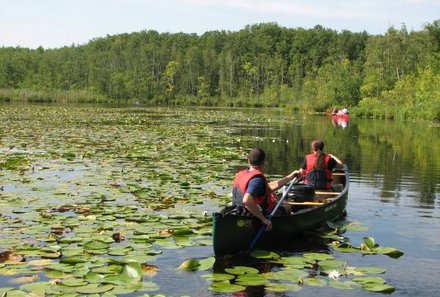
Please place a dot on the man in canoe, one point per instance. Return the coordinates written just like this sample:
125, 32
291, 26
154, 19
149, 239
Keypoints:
317, 168
252, 190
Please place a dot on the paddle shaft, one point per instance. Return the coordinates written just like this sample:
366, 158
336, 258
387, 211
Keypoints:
260, 232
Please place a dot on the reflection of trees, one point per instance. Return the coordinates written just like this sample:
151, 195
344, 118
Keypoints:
392, 155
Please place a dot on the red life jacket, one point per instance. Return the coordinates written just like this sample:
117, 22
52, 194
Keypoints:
240, 184
310, 162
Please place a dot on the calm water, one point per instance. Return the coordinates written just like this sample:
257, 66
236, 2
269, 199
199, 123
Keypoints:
394, 191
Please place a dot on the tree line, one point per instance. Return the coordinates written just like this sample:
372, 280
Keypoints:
396, 74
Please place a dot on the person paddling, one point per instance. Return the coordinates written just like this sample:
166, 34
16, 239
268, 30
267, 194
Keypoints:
251, 189
317, 168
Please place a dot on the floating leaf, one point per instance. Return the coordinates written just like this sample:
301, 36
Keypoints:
343, 285
375, 287
251, 280
318, 256
206, 264
189, 265
369, 279
94, 289
311, 281
221, 287
369, 270
95, 245
280, 287
262, 254
237, 270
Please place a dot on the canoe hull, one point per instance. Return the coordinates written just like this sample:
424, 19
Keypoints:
234, 233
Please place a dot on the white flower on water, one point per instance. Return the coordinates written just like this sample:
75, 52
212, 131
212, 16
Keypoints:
334, 274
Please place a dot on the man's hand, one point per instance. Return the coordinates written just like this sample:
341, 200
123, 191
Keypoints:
268, 224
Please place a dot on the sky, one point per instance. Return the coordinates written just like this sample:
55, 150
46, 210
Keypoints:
58, 23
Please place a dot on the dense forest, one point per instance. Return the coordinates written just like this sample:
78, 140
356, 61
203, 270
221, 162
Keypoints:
396, 74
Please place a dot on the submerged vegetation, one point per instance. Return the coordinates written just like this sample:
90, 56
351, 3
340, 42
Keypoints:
396, 74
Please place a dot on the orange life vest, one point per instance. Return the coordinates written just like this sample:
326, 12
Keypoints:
310, 162
240, 184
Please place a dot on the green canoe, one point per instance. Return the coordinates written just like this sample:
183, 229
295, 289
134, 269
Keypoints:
233, 233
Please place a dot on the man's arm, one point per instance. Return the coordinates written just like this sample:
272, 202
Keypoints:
277, 184
249, 202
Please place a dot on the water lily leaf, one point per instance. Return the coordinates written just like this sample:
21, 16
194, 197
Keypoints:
43, 262
206, 264
237, 270
37, 288
375, 287
109, 269
74, 282
262, 254
94, 289
73, 260
318, 256
370, 243
221, 287
218, 277
389, 251
182, 232
293, 275
189, 265
132, 272
95, 245
369, 270
251, 280
343, 285
280, 287
369, 279
312, 281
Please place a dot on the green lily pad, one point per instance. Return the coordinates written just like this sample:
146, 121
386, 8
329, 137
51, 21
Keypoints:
237, 270
189, 265
251, 280
318, 256
316, 282
94, 289
369, 279
206, 264
375, 287
74, 282
280, 287
73, 260
221, 287
262, 254
95, 245
343, 285
370, 270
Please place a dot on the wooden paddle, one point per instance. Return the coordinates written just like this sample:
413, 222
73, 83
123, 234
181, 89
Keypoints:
260, 232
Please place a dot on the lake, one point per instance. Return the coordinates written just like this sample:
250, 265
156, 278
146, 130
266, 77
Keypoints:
115, 189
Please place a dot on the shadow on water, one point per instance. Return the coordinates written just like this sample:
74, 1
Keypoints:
306, 242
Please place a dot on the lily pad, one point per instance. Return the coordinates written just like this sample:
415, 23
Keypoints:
206, 264
375, 287
318, 256
238, 270
262, 254
343, 285
222, 287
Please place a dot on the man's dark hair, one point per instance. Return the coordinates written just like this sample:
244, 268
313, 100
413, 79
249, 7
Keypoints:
257, 157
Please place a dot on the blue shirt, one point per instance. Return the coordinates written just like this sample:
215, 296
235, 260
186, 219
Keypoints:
257, 187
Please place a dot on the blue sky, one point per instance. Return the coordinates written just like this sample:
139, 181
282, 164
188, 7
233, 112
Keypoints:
56, 23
